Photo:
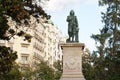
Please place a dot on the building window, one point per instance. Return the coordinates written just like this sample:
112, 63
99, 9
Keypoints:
24, 45
24, 48
24, 58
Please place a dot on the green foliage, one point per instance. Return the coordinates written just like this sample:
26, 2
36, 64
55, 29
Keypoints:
58, 65
27, 72
106, 60
3, 27
111, 20
58, 69
7, 58
14, 74
44, 72
19, 11
87, 67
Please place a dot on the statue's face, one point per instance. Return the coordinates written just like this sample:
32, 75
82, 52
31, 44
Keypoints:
71, 12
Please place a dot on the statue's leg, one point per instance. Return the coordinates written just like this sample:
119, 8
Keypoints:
76, 37
73, 34
73, 37
68, 40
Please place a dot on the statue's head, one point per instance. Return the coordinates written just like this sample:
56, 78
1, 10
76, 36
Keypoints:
72, 12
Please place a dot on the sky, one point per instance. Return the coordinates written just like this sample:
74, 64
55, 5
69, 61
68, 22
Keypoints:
88, 14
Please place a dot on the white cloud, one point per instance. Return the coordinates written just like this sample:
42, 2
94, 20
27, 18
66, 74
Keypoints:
91, 2
54, 5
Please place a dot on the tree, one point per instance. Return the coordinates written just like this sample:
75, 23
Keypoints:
27, 72
111, 20
13, 74
58, 69
7, 58
20, 12
44, 72
99, 61
106, 64
88, 60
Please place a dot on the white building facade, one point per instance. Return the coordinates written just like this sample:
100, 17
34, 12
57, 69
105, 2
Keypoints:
44, 44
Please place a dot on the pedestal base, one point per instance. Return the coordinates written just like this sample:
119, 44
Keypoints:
72, 79
72, 61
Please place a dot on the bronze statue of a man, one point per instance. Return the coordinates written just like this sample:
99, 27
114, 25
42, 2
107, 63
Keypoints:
72, 27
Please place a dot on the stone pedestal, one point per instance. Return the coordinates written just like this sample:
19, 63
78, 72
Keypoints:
72, 61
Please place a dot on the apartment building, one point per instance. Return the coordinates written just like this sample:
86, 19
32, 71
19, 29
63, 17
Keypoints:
44, 44
53, 37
